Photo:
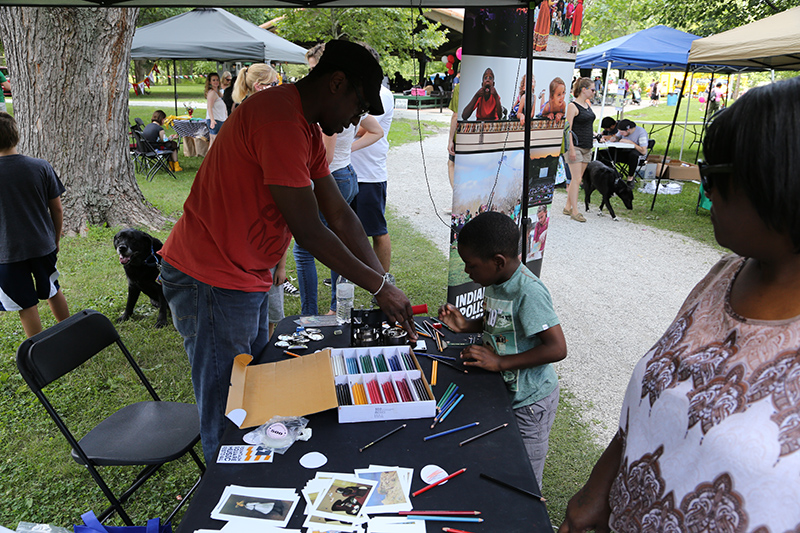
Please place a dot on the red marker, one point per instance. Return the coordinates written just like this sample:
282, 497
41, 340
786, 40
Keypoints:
451, 476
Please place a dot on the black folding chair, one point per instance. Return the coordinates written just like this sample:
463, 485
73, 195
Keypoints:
133, 142
638, 172
148, 433
153, 158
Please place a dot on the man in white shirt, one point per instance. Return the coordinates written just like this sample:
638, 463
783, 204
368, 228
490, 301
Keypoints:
370, 165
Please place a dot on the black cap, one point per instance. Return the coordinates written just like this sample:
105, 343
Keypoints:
356, 62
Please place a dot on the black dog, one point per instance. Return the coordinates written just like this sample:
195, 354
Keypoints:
137, 255
608, 181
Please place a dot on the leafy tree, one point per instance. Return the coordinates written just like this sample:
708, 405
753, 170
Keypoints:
604, 20
396, 31
712, 16
71, 105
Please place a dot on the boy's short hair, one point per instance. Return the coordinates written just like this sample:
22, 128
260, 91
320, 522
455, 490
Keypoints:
764, 164
608, 122
489, 234
9, 134
158, 116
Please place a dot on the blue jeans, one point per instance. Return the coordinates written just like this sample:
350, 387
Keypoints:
216, 326
347, 181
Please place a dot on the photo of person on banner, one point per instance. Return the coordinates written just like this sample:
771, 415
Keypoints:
556, 104
486, 100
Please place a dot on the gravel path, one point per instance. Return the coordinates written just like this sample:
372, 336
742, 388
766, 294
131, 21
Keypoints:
616, 286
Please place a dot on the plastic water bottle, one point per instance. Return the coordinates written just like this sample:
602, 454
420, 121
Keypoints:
345, 292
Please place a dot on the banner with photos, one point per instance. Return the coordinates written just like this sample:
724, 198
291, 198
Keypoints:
490, 136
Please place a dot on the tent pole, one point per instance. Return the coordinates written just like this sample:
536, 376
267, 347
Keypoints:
686, 121
669, 138
705, 116
175, 86
605, 95
529, 114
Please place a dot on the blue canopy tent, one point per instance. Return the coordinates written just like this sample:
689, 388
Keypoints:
656, 48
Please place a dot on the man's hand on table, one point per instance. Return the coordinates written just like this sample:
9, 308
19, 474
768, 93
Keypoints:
397, 307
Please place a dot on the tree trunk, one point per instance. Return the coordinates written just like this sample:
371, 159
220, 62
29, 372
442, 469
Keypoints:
70, 70
141, 68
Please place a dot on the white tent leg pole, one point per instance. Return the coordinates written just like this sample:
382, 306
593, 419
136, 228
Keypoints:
686, 121
605, 95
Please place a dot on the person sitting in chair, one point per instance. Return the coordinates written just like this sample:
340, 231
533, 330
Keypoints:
629, 132
155, 135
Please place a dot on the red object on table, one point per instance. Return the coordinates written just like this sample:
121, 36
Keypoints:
421, 309
451, 476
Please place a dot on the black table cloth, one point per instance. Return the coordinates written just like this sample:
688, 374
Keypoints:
500, 454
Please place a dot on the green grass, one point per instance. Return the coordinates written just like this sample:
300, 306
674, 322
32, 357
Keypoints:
187, 91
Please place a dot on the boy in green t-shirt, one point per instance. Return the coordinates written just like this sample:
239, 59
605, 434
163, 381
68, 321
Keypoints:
521, 332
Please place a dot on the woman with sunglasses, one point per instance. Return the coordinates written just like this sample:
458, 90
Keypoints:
256, 78
580, 138
708, 437
252, 79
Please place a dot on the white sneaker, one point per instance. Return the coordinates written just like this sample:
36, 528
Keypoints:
290, 289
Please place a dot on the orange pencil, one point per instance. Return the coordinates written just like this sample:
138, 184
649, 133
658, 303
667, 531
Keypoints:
287, 352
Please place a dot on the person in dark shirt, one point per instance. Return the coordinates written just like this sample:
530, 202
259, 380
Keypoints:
31, 218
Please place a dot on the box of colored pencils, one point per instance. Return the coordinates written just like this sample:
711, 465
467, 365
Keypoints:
380, 383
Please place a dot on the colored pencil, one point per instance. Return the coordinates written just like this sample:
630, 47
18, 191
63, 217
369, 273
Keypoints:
512, 487
501, 426
451, 530
432, 357
441, 357
461, 397
392, 432
445, 395
445, 407
287, 352
444, 324
439, 513
434, 372
428, 487
445, 518
443, 433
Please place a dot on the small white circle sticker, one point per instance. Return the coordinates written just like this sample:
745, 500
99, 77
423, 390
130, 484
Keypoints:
277, 431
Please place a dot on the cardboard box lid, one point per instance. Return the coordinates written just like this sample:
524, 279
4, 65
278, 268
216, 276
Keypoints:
294, 387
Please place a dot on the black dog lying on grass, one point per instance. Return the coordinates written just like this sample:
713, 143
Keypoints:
137, 255
599, 176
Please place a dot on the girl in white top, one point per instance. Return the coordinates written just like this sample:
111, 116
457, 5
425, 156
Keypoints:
216, 112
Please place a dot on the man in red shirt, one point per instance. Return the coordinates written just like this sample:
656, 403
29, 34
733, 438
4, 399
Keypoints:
264, 180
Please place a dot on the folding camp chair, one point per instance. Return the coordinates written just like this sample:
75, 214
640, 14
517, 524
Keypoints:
154, 159
147, 433
133, 143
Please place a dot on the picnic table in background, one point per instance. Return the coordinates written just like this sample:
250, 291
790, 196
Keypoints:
194, 133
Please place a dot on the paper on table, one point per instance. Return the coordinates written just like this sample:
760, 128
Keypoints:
256, 505
395, 524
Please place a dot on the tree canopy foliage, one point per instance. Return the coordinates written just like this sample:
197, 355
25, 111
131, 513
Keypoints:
396, 31
608, 19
